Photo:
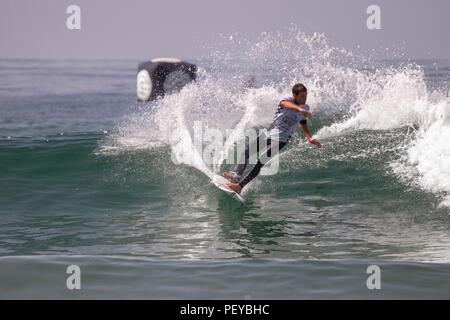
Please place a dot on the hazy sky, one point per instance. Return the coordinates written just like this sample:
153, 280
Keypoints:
143, 29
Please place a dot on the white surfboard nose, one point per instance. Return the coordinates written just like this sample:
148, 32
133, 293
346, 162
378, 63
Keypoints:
220, 182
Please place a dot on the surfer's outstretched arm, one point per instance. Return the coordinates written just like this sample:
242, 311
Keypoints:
304, 126
290, 105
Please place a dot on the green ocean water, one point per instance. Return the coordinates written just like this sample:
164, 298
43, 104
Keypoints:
87, 178
61, 198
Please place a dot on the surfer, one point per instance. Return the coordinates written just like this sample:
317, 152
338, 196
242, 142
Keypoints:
291, 113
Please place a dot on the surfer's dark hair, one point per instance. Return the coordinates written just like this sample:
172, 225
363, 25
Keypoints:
298, 87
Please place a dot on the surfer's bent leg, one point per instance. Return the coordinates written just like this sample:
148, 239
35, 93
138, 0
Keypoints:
257, 168
240, 168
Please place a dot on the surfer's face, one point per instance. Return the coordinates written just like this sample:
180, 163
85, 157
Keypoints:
301, 97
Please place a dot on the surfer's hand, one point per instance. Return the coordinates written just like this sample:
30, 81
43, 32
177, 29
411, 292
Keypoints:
315, 142
306, 113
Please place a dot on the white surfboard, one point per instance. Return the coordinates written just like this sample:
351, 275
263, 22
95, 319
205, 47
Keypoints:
220, 181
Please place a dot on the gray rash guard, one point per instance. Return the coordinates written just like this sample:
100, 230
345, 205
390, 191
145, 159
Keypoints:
286, 121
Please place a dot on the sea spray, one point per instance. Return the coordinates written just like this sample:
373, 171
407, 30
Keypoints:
347, 91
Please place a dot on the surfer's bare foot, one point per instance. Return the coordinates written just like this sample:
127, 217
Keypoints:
232, 176
234, 186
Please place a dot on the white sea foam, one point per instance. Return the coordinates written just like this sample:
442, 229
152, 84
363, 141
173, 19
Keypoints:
426, 162
400, 98
357, 93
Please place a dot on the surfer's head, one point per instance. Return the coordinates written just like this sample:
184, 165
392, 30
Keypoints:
300, 93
